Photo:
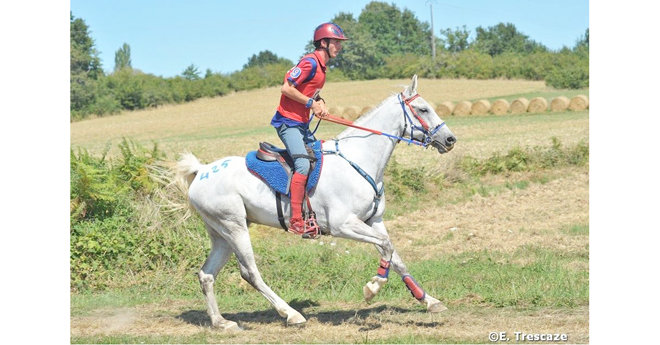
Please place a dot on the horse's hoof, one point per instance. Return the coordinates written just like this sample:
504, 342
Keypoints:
371, 289
436, 307
296, 320
228, 326
368, 293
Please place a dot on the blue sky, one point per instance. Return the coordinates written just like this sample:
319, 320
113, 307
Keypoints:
166, 36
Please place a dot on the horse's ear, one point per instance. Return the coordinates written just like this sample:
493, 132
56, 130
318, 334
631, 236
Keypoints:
412, 89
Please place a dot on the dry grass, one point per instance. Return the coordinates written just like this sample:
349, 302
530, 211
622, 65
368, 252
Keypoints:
332, 324
502, 222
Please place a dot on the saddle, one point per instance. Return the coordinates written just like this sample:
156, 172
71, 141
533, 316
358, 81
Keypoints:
274, 166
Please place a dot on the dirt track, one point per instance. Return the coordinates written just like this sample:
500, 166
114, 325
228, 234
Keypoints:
331, 324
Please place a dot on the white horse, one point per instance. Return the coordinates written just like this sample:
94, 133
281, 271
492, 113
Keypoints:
228, 198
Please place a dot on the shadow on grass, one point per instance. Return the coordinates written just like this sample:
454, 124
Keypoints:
368, 318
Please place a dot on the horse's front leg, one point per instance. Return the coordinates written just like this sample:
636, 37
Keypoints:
392, 260
357, 230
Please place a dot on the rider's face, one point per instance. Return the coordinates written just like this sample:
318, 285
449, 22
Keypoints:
334, 47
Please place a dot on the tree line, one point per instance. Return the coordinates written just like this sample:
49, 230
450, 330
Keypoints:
385, 42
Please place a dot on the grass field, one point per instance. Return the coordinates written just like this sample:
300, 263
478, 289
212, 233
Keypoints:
505, 252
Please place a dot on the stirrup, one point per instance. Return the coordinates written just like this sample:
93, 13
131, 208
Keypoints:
311, 227
297, 229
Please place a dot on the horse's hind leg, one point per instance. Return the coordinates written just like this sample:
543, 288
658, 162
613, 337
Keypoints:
240, 241
220, 254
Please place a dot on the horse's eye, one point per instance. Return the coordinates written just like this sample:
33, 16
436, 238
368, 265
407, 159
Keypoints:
424, 110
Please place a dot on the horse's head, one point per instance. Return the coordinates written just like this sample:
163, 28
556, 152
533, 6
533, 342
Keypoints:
422, 122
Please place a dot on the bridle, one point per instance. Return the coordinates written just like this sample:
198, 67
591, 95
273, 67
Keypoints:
427, 133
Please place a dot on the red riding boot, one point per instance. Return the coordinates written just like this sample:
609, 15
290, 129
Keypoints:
297, 224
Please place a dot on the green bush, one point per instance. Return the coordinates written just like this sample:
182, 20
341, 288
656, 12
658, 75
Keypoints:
100, 188
113, 220
528, 159
571, 77
403, 182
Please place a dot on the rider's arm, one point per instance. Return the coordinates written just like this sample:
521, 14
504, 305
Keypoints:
289, 90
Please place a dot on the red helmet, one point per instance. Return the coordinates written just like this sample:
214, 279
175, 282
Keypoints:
329, 30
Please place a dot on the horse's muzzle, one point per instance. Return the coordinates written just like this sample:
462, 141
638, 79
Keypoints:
446, 146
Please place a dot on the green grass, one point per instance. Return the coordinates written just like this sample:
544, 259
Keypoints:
528, 277
548, 95
506, 121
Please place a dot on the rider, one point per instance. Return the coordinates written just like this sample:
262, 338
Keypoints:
300, 93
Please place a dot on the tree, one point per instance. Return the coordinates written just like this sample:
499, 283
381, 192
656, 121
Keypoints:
264, 58
395, 31
359, 54
456, 40
85, 69
123, 57
381, 30
582, 44
191, 73
84, 56
502, 38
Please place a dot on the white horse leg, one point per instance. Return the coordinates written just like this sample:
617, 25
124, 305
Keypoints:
432, 305
220, 253
357, 230
249, 271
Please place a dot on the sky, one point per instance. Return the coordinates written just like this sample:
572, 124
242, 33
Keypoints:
167, 36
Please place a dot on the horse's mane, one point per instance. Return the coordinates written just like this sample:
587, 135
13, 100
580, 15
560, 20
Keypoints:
364, 117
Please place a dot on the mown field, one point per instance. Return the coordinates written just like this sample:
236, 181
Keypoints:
505, 251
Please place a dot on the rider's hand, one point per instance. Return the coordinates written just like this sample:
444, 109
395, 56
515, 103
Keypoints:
320, 109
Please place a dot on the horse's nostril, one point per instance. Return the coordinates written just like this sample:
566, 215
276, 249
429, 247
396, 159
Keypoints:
451, 141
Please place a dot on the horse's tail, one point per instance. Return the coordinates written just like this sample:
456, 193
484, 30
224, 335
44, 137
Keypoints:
185, 171
176, 179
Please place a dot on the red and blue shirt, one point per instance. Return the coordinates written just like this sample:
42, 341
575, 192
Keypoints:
308, 76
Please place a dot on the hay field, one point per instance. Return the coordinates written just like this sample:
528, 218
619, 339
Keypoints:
540, 215
234, 124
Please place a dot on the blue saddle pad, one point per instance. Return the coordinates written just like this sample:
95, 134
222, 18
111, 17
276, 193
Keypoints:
274, 175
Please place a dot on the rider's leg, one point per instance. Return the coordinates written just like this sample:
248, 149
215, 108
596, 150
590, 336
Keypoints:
293, 139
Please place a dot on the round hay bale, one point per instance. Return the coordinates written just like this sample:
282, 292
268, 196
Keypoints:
500, 107
445, 108
579, 102
463, 108
367, 109
559, 104
336, 111
538, 105
352, 112
481, 107
519, 106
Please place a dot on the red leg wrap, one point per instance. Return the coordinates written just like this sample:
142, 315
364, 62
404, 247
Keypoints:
414, 288
384, 269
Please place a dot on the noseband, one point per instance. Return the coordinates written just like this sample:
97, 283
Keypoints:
427, 134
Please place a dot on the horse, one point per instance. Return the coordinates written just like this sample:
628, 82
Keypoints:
348, 199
